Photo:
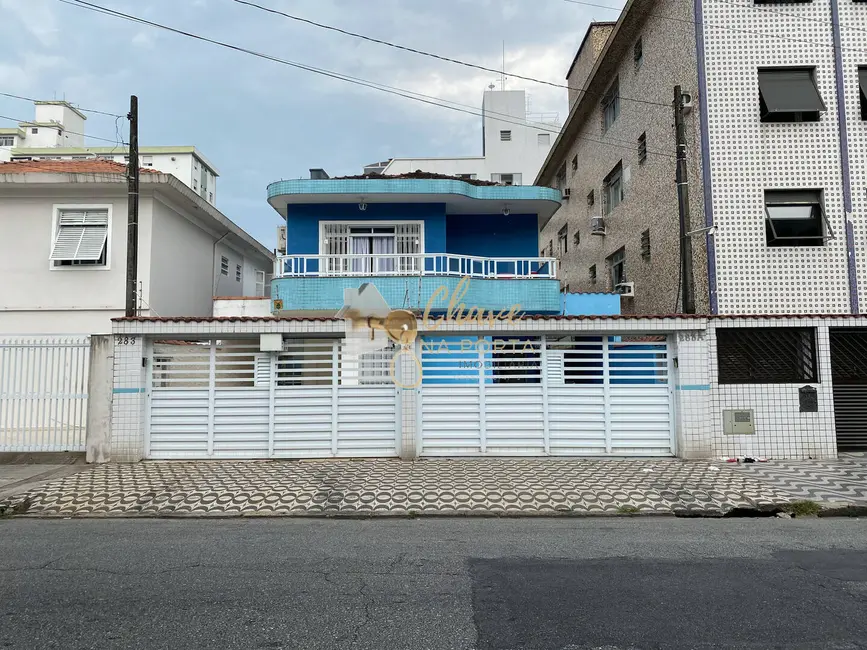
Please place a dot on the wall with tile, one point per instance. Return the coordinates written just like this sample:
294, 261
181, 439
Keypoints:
128, 417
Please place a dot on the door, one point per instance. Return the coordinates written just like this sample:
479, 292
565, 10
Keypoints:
849, 379
226, 399
552, 395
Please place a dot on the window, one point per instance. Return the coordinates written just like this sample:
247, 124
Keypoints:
591, 198
611, 105
575, 163
617, 267
592, 274
543, 139
789, 95
195, 184
7, 141
260, 283
364, 248
211, 197
766, 355
34, 131
147, 161
645, 245
505, 136
506, 179
550, 248
642, 148
782, 2
81, 238
560, 182
613, 188
638, 53
794, 218
862, 82
576, 238
238, 273
224, 266
466, 177
563, 240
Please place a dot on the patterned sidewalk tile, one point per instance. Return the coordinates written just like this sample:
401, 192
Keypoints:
844, 479
507, 487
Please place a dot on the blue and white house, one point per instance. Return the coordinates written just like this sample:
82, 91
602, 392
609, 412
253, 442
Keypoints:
410, 237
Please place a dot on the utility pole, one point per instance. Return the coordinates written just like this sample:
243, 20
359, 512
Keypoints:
132, 213
687, 286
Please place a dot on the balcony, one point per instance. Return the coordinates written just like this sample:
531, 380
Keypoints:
430, 264
316, 283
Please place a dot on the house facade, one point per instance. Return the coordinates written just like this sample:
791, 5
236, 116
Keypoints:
409, 237
63, 232
774, 131
515, 143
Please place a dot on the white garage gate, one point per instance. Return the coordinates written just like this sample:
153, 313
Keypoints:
224, 399
535, 396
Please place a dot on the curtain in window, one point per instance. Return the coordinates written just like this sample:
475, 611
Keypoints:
360, 246
383, 246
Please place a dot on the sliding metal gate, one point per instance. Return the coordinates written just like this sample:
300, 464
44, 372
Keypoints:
43, 393
226, 399
533, 396
849, 378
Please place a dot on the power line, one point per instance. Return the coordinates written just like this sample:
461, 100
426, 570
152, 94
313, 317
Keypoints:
721, 27
85, 110
59, 126
426, 99
436, 56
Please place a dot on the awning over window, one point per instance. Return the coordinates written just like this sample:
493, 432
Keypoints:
789, 91
81, 236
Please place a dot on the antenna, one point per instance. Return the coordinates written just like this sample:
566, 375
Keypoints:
503, 77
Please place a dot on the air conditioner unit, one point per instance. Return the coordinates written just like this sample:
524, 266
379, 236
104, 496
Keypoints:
567, 192
597, 225
625, 289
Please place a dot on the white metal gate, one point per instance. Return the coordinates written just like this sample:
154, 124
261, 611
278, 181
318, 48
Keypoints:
43, 393
226, 399
535, 396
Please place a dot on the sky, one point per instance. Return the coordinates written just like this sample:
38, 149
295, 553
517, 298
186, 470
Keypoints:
259, 121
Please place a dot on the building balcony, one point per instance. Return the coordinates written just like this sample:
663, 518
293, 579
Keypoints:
316, 283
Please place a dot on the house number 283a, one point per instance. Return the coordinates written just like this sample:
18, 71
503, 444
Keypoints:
124, 340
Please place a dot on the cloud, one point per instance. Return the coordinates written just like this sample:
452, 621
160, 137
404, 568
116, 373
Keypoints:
259, 121
35, 16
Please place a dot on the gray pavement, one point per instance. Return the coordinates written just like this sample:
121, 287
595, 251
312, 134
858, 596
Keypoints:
434, 583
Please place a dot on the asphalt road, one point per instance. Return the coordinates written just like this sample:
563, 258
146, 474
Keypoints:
434, 583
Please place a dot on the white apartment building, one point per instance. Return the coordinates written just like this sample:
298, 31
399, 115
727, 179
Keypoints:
57, 133
63, 247
515, 143
776, 141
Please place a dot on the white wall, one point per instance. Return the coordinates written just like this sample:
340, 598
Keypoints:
181, 258
64, 115
40, 298
504, 111
242, 307
747, 157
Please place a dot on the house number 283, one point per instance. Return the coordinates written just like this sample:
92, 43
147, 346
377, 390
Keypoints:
124, 340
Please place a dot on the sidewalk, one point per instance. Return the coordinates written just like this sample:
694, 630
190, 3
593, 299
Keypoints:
21, 472
492, 487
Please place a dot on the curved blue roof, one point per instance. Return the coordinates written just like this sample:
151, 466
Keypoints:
373, 186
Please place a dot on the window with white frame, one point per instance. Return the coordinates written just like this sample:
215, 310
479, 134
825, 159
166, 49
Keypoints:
795, 218
371, 248
7, 140
239, 274
543, 139
617, 267
260, 283
613, 188
224, 266
611, 105
506, 179
80, 237
506, 136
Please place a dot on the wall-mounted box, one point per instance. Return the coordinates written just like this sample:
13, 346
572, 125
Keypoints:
739, 422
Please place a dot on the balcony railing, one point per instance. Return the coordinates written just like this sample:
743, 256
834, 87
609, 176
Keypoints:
442, 264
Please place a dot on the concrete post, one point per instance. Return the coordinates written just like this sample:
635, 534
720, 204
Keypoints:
99, 395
